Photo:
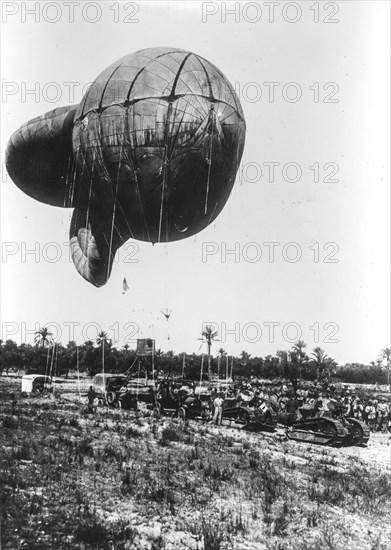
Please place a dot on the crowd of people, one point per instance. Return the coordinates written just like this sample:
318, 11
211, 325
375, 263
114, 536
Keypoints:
299, 400
304, 401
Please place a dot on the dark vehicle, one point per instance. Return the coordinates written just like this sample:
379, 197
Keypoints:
171, 396
252, 414
358, 431
319, 430
333, 429
137, 396
106, 386
196, 407
306, 424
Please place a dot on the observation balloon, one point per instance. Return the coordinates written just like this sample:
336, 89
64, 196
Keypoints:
151, 153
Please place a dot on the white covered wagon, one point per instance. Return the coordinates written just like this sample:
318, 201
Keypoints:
36, 383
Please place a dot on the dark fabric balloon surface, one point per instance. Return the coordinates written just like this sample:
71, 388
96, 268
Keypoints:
151, 153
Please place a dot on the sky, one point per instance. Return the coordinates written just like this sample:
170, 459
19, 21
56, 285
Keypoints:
302, 248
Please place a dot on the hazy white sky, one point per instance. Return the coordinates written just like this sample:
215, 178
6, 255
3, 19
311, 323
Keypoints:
327, 127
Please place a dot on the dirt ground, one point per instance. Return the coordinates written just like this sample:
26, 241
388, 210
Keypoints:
118, 480
377, 451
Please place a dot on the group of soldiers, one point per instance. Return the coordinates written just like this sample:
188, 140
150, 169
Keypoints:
306, 401
299, 401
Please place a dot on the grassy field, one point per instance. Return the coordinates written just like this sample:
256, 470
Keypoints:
120, 480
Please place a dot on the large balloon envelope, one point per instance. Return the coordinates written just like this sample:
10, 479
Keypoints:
151, 153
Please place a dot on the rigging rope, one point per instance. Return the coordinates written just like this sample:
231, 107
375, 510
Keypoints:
114, 211
164, 168
89, 197
202, 368
67, 185
209, 160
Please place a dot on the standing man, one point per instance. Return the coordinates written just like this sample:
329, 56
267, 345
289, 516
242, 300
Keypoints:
91, 397
218, 405
371, 415
382, 415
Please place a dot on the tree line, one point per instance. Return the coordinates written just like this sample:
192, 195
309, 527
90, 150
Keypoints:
55, 359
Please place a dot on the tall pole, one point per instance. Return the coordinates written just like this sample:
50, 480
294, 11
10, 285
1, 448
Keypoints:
55, 363
153, 362
51, 365
138, 379
183, 365
47, 362
103, 356
218, 367
232, 368
226, 368
78, 373
209, 344
202, 369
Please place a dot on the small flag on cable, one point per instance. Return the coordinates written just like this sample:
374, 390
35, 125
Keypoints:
125, 285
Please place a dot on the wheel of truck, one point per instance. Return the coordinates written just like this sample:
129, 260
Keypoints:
356, 434
161, 394
111, 398
182, 414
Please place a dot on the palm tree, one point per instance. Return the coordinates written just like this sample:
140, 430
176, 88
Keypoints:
59, 352
298, 348
282, 356
104, 341
69, 356
88, 344
2, 356
209, 335
244, 357
300, 354
385, 353
222, 353
322, 361
284, 362
43, 337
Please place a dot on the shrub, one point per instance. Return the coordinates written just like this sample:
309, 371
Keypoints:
11, 422
75, 423
133, 432
90, 532
24, 452
213, 534
170, 433
84, 447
